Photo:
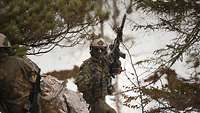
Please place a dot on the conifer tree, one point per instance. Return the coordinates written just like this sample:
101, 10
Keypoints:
180, 94
42, 23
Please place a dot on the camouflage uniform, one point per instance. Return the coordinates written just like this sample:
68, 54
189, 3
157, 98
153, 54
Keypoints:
94, 81
16, 79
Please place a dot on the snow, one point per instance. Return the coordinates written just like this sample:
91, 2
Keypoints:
61, 58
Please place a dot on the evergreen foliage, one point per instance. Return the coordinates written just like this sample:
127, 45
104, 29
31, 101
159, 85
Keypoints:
38, 23
179, 94
180, 16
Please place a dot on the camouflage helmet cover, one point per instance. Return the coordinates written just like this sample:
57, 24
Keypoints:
98, 42
4, 41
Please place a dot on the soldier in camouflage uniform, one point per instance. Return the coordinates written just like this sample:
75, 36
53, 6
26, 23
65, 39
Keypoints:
16, 79
94, 79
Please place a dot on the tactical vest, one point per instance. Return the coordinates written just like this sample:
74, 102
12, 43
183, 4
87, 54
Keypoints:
95, 79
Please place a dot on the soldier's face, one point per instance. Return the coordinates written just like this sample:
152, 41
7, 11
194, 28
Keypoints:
101, 51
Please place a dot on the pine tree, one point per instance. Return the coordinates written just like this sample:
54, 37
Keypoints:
181, 17
38, 23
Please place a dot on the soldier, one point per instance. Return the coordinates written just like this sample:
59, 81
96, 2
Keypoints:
95, 76
17, 80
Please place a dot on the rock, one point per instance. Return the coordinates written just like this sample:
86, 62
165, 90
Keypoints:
56, 98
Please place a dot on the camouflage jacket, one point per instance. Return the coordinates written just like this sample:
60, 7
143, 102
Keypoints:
94, 79
16, 78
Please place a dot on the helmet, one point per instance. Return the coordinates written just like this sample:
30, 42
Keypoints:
98, 43
98, 48
4, 41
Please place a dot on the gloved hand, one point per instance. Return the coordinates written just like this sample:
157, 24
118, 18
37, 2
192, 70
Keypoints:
111, 89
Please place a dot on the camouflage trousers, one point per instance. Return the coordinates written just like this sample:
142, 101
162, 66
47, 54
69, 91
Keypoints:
101, 107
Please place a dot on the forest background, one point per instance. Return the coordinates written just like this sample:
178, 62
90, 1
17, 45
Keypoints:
161, 41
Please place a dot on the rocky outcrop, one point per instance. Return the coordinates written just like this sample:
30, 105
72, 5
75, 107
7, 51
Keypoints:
56, 98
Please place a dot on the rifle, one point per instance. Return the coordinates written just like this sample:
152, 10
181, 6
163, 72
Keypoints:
34, 96
115, 51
